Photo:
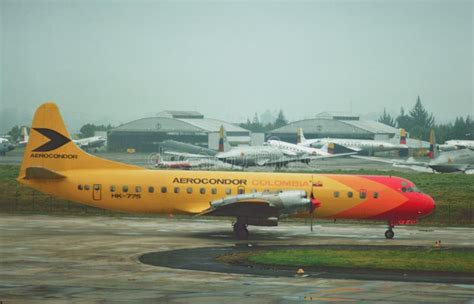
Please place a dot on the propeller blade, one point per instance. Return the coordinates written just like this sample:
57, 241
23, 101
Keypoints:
314, 203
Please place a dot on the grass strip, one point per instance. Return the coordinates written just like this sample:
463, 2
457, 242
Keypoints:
438, 260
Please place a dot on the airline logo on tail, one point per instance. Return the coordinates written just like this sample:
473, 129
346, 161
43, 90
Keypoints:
56, 140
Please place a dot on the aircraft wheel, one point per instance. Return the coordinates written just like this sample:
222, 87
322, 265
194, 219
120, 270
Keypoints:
389, 234
240, 231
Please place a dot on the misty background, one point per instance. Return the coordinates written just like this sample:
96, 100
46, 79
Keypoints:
115, 61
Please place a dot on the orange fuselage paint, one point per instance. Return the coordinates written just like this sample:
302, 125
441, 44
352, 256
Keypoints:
174, 192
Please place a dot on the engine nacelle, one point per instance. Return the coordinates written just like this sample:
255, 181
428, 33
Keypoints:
287, 202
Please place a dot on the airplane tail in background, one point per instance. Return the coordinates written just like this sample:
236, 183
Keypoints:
50, 148
433, 151
24, 134
403, 152
403, 137
223, 143
300, 136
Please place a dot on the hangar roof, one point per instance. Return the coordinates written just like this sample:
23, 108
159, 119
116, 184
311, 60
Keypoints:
184, 125
180, 114
328, 123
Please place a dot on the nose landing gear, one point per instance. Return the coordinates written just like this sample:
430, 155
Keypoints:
389, 234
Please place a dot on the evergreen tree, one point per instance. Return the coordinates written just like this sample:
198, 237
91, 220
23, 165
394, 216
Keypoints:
387, 119
15, 133
88, 130
422, 122
404, 121
281, 120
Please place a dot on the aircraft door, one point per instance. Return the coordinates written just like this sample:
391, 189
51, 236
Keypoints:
97, 192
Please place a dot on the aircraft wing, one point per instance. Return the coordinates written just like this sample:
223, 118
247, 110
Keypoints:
288, 152
460, 147
186, 155
409, 163
303, 159
286, 160
260, 207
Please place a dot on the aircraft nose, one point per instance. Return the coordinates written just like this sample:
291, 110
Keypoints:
427, 205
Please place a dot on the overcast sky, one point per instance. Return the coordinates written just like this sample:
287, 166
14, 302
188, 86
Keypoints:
113, 61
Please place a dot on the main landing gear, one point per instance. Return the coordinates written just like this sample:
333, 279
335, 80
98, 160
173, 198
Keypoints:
389, 234
240, 231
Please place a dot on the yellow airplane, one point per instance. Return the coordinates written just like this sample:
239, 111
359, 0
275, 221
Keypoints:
53, 164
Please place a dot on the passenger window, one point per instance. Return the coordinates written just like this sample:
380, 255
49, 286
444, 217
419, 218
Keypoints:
214, 190
362, 194
138, 189
228, 191
336, 193
86, 187
125, 188
241, 191
376, 195
350, 194
79, 187
151, 189
112, 188
176, 189
164, 189
96, 187
189, 190
202, 190
404, 189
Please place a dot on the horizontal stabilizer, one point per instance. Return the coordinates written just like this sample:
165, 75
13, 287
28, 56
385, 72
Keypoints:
41, 173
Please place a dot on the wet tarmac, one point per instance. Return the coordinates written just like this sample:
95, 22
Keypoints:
205, 259
96, 259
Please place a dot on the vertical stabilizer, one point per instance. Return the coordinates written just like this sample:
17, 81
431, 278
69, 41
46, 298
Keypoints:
432, 153
403, 137
403, 150
24, 134
50, 146
300, 139
223, 143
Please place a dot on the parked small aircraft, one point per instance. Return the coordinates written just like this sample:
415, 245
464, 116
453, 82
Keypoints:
358, 145
446, 162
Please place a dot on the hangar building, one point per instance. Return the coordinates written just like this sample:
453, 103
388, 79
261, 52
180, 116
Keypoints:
333, 125
145, 135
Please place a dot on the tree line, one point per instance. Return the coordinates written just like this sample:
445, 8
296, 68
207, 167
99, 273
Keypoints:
418, 123
86, 130
255, 125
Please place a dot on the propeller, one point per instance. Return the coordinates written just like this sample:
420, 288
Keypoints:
314, 203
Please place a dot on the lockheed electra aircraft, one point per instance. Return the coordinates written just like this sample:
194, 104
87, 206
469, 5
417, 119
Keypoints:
53, 164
